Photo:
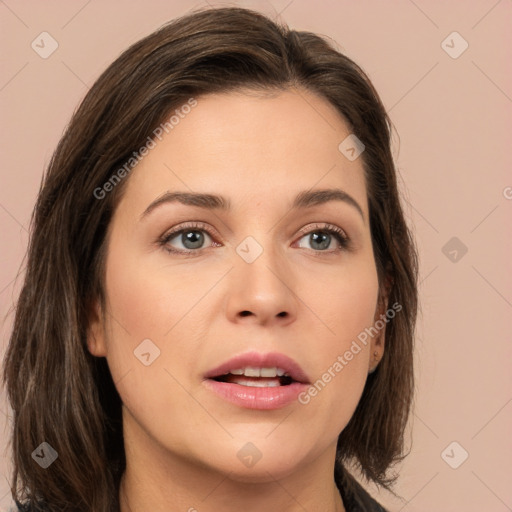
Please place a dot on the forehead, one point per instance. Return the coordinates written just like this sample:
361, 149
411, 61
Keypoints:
256, 147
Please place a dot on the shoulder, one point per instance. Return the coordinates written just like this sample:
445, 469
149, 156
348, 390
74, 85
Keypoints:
363, 502
355, 497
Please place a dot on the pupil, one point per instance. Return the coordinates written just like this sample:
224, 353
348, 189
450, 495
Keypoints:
192, 239
325, 239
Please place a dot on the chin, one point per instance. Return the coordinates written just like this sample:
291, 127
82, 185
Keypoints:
263, 471
259, 461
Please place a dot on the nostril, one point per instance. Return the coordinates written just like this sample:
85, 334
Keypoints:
245, 313
283, 313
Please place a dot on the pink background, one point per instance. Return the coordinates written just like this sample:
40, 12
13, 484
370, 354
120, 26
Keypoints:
453, 117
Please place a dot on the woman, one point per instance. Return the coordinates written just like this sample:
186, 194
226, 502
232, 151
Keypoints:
221, 289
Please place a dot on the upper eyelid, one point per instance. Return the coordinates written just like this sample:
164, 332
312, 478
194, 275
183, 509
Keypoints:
202, 226
195, 225
325, 226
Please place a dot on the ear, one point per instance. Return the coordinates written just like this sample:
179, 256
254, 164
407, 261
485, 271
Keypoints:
96, 330
380, 320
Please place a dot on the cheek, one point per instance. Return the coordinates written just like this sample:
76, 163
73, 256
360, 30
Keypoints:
147, 298
147, 316
346, 308
141, 313
346, 303
156, 310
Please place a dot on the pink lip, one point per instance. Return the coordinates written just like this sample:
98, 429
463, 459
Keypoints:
258, 398
256, 359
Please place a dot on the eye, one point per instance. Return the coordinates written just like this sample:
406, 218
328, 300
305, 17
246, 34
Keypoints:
321, 238
189, 238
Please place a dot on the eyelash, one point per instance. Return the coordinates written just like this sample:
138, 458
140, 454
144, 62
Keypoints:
338, 233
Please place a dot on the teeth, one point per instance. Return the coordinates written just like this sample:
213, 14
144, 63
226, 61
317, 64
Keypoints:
268, 372
251, 371
259, 384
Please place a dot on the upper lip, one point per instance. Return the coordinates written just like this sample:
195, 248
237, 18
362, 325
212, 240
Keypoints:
258, 360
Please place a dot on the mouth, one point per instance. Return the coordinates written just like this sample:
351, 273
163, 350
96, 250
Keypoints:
258, 381
259, 370
257, 377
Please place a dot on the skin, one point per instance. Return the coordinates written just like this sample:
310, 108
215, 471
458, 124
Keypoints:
181, 440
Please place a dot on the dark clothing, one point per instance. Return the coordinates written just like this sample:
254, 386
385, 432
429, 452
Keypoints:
355, 498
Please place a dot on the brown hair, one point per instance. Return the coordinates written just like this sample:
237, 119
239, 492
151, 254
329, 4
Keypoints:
63, 395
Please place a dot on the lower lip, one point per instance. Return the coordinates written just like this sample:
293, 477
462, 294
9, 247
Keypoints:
256, 398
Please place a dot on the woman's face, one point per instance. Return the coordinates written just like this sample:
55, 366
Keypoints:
256, 275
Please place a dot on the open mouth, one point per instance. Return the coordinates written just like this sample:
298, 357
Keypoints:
258, 381
256, 377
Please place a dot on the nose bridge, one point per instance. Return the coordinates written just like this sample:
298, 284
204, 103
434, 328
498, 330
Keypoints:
262, 281
260, 262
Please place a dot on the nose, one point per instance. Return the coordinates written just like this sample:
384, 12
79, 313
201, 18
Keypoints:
262, 292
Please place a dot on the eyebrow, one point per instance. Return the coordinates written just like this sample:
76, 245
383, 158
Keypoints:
305, 199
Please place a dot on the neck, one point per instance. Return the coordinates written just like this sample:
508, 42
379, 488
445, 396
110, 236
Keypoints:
224, 494
159, 480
